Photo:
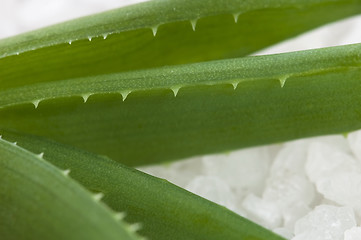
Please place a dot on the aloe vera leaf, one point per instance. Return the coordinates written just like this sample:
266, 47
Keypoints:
165, 210
38, 201
220, 106
46, 55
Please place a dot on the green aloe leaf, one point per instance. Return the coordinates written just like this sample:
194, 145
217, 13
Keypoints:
123, 39
219, 105
38, 201
164, 210
101, 83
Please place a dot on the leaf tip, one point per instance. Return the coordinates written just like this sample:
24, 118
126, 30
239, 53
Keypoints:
36, 103
155, 30
235, 84
283, 80
125, 94
120, 216
66, 172
194, 23
98, 196
235, 17
135, 227
86, 96
175, 90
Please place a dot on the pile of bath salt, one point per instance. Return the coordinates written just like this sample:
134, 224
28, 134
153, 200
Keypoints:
304, 189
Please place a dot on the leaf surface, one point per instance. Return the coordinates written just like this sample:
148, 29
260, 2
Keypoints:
38, 201
219, 105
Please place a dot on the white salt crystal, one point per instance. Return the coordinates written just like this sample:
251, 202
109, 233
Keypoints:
337, 175
338, 142
245, 170
325, 222
213, 189
292, 196
289, 189
290, 159
354, 139
324, 160
343, 188
288, 185
292, 213
263, 212
353, 233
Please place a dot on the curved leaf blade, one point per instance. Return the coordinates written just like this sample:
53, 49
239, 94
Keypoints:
37, 201
276, 98
130, 43
165, 210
